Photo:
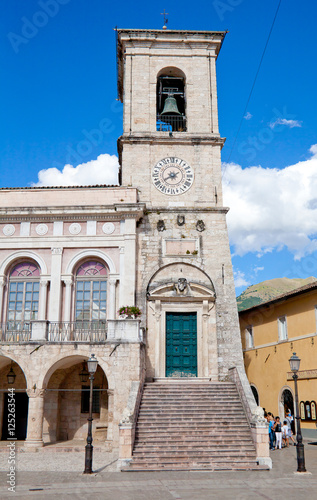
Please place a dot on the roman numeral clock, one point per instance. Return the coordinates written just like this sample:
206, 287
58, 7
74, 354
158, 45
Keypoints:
172, 176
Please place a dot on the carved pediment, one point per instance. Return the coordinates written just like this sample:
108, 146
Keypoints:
175, 290
181, 281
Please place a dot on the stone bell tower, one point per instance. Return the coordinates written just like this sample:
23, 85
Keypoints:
171, 151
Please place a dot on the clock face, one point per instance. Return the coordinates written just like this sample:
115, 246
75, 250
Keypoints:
172, 176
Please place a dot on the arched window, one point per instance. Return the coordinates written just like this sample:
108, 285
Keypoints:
170, 101
91, 292
23, 295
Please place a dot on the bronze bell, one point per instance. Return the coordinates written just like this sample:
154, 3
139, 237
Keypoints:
170, 106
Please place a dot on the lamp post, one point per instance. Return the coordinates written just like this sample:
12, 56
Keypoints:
92, 367
294, 364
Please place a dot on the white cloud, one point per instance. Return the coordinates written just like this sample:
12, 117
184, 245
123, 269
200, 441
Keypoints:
239, 279
103, 170
271, 209
257, 269
248, 116
287, 123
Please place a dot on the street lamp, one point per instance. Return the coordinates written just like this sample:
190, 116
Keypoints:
294, 364
11, 376
83, 375
92, 364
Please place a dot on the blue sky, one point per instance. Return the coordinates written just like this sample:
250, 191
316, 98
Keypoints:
59, 84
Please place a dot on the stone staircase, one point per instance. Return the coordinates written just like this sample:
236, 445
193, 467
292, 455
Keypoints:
192, 425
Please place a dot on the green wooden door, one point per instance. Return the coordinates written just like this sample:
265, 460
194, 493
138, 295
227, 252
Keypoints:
181, 345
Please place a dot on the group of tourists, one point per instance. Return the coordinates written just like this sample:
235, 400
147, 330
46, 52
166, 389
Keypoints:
280, 433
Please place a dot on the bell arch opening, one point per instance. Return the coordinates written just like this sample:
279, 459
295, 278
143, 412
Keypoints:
171, 100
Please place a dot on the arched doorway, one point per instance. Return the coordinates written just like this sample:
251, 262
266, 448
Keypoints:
286, 402
255, 394
66, 404
19, 397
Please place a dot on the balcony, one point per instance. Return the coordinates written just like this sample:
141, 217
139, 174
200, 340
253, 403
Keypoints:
112, 331
171, 123
15, 332
77, 331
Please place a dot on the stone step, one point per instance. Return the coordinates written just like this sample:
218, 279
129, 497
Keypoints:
185, 425
202, 433
192, 390
178, 398
176, 458
195, 449
188, 437
229, 466
213, 420
174, 401
198, 427
191, 409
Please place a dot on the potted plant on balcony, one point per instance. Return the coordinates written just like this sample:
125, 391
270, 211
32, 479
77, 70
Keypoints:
129, 312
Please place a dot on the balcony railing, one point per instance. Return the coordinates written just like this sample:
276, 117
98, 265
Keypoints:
169, 123
77, 331
15, 331
43, 331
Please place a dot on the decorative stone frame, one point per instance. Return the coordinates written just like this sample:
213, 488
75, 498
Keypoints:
202, 302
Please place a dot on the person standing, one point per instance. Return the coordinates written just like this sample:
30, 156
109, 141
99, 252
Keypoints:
285, 434
289, 420
271, 432
278, 433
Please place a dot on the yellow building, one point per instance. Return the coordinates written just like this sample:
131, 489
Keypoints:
270, 333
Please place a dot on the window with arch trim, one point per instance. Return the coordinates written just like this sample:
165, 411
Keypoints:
91, 292
23, 295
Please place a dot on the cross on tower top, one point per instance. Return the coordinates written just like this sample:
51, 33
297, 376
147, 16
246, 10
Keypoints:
165, 14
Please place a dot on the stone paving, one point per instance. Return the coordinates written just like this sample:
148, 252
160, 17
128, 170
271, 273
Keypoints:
50, 475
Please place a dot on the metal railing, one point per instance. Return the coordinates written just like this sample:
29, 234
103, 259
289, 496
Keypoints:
15, 331
77, 331
169, 123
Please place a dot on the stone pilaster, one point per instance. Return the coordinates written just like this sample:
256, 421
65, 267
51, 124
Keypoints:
68, 299
129, 262
112, 298
42, 299
2, 285
110, 393
55, 295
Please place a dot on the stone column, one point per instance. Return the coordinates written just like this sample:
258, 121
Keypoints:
34, 436
110, 393
112, 298
42, 299
55, 295
68, 299
2, 285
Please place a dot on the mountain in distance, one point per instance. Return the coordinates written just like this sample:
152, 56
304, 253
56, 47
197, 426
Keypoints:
268, 290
